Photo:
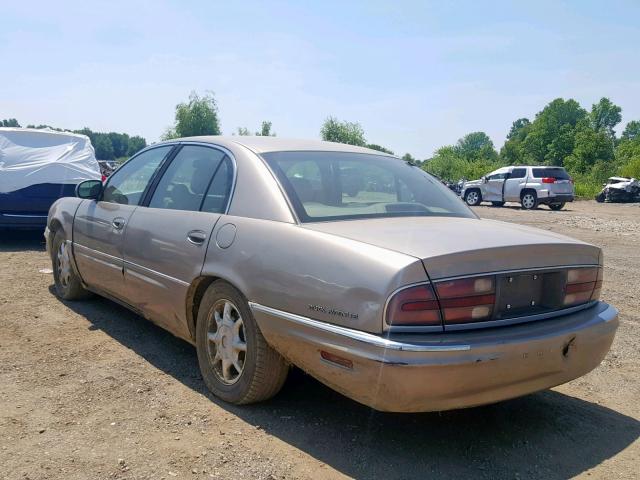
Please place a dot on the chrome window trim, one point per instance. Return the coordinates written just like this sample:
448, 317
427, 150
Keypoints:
234, 166
491, 323
357, 335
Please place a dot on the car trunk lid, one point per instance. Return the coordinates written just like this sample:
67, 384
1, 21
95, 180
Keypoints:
450, 247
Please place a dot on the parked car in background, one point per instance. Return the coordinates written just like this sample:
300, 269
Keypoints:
528, 185
265, 252
620, 189
37, 167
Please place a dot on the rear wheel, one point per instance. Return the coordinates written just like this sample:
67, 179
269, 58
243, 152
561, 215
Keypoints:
556, 206
473, 197
67, 283
497, 204
236, 362
529, 200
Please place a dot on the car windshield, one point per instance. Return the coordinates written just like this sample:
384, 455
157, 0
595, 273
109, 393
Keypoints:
324, 186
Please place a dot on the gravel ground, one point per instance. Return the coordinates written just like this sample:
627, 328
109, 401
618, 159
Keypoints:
89, 390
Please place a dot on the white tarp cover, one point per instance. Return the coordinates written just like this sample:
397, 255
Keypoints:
29, 157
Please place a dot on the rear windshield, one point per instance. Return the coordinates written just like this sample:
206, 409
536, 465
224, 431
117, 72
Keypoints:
549, 172
324, 186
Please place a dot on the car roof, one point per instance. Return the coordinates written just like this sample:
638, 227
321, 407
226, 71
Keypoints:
622, 179
535, 166
267, 144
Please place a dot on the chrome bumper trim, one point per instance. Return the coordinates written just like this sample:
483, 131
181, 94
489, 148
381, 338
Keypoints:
358, 335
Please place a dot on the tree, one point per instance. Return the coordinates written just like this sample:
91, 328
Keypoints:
120, 143
551, 135
350, 133
519, 129
590, 148
265, 130
631, 131
243, 131
605, 116
136, 144
407, 157
198, 116
475, 146
379, 148
103, 147
11, 122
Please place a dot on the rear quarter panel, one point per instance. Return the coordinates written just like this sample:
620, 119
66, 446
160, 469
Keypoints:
290, 268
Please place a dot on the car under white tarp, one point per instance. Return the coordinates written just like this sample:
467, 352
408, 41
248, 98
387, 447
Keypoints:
38, 166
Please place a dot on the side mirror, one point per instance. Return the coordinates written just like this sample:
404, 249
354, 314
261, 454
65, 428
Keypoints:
89, 189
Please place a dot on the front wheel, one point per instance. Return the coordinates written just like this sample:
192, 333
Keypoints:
473, 198
529, 200
67, 282
236, 362
556, 206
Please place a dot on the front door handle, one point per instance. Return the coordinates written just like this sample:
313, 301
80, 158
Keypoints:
118, 223
197, 237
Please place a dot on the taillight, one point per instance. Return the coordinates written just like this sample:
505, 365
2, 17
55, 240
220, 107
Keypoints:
583, 285
548, 180
467, 299
103, 179
414, 306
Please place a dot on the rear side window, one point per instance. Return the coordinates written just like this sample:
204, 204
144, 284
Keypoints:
550, 172
518, 173
218, 193
187, 178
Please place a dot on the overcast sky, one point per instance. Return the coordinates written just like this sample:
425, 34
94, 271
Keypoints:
416, 75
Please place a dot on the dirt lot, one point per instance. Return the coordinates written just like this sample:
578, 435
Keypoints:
89, 390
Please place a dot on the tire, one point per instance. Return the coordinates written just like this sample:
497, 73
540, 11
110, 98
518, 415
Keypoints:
67, 283
498, 204
251, 371
529, 200
473, 197
556, 206
600, 197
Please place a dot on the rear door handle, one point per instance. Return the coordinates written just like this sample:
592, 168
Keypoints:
118, 223
197, 237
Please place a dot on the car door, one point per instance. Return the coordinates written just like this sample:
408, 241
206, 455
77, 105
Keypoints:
166, 240
100, 225
492, 191
514, 184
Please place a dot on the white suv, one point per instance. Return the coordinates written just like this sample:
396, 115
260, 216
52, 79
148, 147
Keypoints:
530, 186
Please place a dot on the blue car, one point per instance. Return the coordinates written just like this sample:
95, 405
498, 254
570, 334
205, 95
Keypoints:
37, 167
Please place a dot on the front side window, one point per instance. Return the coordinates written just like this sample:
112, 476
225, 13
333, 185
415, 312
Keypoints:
187, 178
497, 176
325, 186
129, 182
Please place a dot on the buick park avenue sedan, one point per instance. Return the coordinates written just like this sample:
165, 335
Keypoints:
355, 266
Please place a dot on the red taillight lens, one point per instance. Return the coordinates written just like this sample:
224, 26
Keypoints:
548, 180
414, 306
583, 285
104, 178
467, 300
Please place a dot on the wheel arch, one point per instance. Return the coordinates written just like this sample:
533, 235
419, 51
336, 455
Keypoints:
528, 189
194, 296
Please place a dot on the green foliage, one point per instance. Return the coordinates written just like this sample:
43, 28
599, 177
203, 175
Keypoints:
351, 133
265, 130
449, 164
198, 116
476, 146
605, 116
379, 148
591, 147
135, 144
10, 122
243, 131
103, 147
631, 131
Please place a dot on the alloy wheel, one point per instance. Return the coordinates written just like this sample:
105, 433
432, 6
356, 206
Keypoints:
472, 198
226, 341
64, 265
528, 201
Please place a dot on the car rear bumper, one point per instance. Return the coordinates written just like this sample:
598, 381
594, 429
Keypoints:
431, 372
556, 198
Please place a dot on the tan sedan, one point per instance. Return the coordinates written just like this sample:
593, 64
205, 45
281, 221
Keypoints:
356, 266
